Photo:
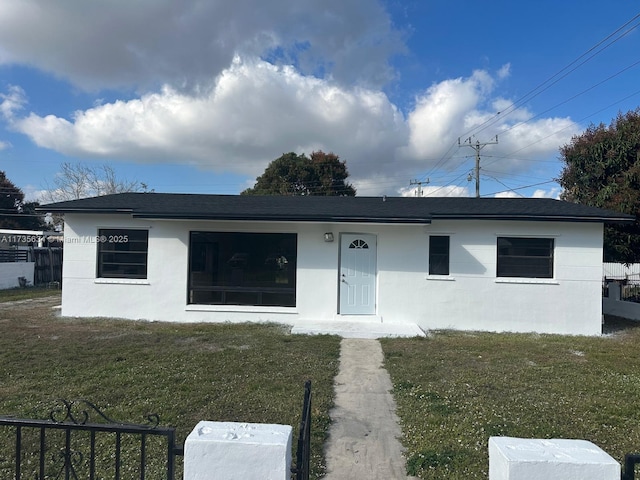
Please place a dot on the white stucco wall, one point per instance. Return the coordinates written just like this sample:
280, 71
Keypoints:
11, 271
469, 298
472, 298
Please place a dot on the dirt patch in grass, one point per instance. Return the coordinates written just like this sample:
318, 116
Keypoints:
32, 293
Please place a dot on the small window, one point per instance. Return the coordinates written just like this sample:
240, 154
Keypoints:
438, 255
122, 253
359, 244
525, 257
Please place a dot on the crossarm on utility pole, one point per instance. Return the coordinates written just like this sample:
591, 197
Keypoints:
477, 147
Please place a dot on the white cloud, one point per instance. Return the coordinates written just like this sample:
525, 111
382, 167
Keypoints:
121, 43
12, 102
508, 194
436, 191
382, 181
4, 145
230, 86
454, 111
504, 71
551, 193
33, 194
446, 191
439, 114
538, 136
253, 113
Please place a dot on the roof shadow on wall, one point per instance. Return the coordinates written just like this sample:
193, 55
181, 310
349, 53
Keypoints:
464, 262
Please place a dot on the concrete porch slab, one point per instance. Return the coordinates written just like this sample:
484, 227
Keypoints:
358, 329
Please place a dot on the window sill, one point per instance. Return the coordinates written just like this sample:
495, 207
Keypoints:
444, 278
529, 281
239, 308
122, 281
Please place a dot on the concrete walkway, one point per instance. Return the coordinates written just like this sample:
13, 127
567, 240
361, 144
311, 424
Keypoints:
364, 436
358, 329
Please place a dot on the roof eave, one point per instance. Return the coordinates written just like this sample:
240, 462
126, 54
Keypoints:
282, 218
537, 218
44, 209
622, 219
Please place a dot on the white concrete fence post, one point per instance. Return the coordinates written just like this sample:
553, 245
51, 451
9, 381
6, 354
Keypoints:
614, 290
243, 451
553, 459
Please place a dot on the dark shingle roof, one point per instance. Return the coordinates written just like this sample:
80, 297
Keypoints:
334, 209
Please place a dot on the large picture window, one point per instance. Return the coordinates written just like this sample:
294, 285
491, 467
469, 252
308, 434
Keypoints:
122, 253
438, 255
525, 257
233, 268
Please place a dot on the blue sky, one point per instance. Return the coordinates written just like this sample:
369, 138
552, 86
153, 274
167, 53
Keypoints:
199, 95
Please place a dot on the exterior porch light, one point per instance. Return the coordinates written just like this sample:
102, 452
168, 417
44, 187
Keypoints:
328, 237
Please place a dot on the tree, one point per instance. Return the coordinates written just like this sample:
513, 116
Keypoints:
292, 174
15, 213
602, 169
77, 180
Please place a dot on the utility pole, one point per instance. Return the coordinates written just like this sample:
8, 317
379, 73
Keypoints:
419, 183
477, 147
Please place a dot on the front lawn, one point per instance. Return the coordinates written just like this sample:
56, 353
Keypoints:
184, 373
454, 390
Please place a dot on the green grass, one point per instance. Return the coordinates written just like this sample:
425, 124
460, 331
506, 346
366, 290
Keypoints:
455, 390
12, 294
184, 373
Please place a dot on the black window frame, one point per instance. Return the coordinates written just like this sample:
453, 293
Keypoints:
525, 257
242, 268
439, 254
122, 253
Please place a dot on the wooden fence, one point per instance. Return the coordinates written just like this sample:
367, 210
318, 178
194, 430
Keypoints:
48, 268
48, 262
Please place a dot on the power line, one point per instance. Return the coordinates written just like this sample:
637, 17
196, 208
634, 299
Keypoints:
637, 92
520, 188
542, 87
432, 193
548, 83
571, 98
509, 189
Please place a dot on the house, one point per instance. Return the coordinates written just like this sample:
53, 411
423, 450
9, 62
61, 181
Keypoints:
493, 264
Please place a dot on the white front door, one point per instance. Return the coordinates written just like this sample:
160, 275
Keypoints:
357, 274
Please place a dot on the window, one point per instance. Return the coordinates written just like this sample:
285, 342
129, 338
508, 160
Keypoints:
122, 253
359, 244
438, 255
231, 268
525, 257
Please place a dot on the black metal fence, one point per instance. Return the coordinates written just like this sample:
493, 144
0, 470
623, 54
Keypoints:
70, 446
10, 256
303, 453
630, 462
